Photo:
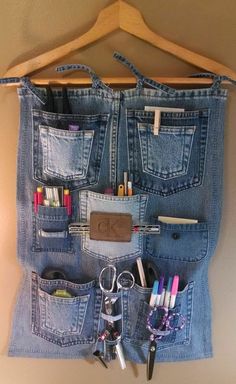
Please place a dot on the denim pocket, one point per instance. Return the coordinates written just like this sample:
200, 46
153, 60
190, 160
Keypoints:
110, 250
171, 161
65, 157
167, 154
50, 233
138, 309
74, 149
65, 321
180, 242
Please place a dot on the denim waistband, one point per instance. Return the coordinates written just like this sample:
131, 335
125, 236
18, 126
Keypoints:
100, 89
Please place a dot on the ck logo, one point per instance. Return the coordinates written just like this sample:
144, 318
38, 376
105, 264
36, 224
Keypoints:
110, 227
106, 226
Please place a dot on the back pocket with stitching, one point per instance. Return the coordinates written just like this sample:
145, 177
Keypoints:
65, 157
65, 321
112, 251
173, 160
167, 154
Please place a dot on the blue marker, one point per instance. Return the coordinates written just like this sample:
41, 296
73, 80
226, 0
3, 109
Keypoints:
160, 289
153, 297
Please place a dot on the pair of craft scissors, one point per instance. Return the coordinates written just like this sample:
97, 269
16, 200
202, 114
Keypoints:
109, 283
164, 328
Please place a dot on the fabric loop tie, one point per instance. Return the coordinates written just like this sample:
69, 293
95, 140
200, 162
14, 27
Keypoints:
96, 81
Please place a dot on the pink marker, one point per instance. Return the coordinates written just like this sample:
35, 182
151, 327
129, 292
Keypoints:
174, 291
35, 202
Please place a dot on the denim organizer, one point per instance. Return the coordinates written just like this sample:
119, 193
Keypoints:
175, 173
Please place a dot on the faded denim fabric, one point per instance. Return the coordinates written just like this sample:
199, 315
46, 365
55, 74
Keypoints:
177, 173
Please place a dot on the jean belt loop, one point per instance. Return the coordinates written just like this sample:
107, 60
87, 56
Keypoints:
96, 81
141, 80
122, 59
216, 79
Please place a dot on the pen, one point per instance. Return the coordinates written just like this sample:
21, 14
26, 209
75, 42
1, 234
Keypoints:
167, 293
174, 290
130, 190
125, 183
160, 289
141, 272
39, 195
153, 297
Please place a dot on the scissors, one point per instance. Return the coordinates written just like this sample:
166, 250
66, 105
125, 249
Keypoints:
165, 327
125, 280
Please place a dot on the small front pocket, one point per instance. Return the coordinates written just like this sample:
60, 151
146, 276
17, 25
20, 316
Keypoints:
110, 250
64, 321
179, 242
173, 160
138, 309
51, 230
64, 157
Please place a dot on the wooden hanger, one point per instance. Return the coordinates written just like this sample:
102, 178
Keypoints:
119, 15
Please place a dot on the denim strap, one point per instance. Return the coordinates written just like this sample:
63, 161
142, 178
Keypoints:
25, 82
96, 81
217, 79
141, 80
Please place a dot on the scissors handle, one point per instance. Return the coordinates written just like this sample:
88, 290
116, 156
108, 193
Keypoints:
122, 280
109, 272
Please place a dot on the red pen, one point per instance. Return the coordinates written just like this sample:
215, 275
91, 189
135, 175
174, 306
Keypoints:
67, 201
40, 195
65, 197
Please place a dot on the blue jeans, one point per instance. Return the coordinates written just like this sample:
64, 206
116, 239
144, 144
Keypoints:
177, 173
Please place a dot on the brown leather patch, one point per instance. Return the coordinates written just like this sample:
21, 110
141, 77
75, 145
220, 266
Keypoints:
108, 226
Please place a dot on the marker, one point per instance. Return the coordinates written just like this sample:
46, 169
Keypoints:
174, 290
65, 197
153, 297
162, 297
40, 195
121, 190
141, 272
130, 190
160, 289
167, 293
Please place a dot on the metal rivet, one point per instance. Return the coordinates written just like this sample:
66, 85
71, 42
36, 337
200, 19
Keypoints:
175, 236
